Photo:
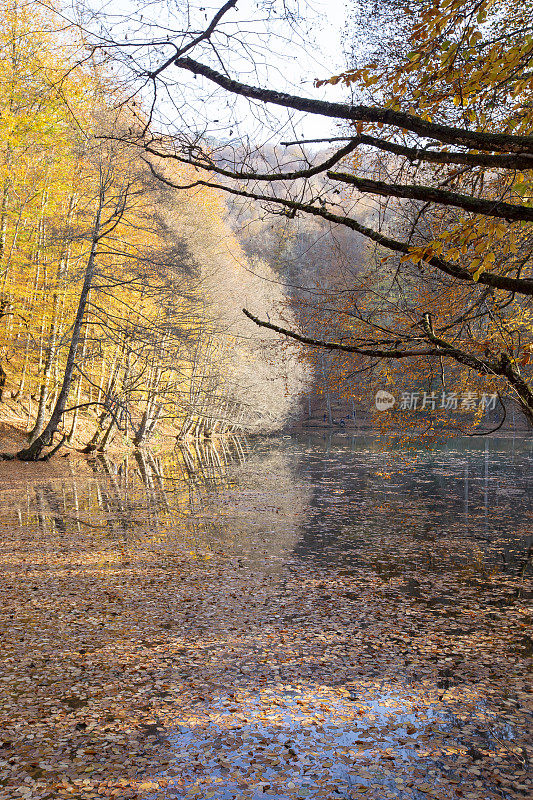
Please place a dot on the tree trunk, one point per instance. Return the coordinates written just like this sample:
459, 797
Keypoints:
33, 452
103, 444
154, 421
522, 390
54, 333
75, 416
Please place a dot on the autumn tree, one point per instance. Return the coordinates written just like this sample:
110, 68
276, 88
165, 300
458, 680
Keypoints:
111, 317
438, 135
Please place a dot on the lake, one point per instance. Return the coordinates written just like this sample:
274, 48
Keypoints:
294, 616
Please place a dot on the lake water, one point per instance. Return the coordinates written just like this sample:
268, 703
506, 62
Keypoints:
414, 565
326, 499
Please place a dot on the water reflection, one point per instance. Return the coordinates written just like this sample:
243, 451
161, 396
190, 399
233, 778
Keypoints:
317, 742
354, 652
338, 502
204, 499
463, 505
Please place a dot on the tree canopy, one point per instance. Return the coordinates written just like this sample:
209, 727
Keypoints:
438, 135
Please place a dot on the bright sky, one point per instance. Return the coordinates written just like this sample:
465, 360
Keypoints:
320, 54
290, 61
321, 61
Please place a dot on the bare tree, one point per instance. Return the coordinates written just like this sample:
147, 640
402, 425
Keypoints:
442, 168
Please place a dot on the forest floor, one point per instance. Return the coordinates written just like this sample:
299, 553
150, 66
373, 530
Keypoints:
139, 671
14, 437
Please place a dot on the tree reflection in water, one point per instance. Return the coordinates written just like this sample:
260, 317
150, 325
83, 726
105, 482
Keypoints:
292, 617
200, 498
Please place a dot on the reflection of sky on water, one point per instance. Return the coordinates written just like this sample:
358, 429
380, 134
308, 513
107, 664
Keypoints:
296, 749
335, 503
306, 741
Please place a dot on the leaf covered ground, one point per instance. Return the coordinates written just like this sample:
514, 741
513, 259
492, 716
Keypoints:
149, 650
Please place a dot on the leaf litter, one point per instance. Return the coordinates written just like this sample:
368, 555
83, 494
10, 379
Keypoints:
270, 630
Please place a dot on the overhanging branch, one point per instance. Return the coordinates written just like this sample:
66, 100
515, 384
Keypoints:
447, 134
205, 35
519, 285
417, 154
431, 194
260, 176
346, 348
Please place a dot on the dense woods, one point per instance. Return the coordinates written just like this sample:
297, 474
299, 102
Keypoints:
118, 294
397, 250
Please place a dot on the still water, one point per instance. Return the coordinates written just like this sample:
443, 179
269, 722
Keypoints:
325, 499
436, 538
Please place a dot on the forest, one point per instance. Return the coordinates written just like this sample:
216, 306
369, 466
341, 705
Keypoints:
399, 250
266, 399
120, 297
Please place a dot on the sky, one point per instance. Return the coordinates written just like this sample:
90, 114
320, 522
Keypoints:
289, 61
295, 63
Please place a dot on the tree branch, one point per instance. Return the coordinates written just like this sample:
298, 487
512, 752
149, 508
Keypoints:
347, 348
489, 208
261, 176
482, 367
200, 38
478, 140
518, 285
515, 161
